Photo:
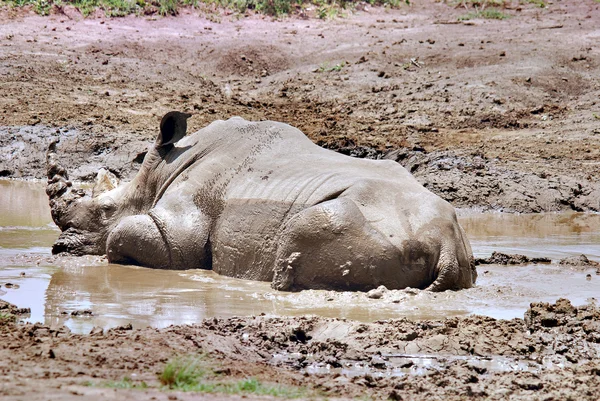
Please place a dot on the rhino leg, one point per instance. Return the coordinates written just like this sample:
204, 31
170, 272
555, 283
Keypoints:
160, 240
137, 240
332, 246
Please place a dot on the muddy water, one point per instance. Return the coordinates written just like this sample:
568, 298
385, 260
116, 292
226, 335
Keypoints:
56, 287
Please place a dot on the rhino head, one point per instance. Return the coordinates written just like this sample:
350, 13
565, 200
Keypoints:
87, 220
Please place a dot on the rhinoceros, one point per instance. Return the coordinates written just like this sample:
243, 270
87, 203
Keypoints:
260, 201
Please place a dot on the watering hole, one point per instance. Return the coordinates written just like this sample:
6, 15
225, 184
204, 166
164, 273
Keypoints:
59, 289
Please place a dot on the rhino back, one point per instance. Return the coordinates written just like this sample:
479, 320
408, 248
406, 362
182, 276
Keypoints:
250, 178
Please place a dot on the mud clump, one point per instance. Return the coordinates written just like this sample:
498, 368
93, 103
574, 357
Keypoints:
499, 258
472, 179
580, 262
562, 313
551, 354
8, 308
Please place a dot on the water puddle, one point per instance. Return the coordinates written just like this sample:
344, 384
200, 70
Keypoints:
54, 288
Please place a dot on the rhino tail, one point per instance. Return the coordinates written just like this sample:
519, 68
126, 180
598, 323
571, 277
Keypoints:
454, 274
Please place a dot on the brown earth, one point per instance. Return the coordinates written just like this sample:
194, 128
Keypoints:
491, 114
495, 114
552, 354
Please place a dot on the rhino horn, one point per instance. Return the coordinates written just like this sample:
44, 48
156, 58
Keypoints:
105, 181
59, 189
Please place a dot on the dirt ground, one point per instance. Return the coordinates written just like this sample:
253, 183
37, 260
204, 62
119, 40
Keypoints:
494, 114
552, 354
489, 114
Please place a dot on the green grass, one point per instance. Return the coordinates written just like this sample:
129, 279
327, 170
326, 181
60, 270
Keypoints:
325, 9
481, 4
7, 318
183, 371
326, 68
246, 386
488, 13
195, 374
539, 3
126, 383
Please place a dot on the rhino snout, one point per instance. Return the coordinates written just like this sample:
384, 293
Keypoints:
77, 242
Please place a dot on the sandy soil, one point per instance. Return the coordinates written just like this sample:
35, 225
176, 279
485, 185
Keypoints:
493, 114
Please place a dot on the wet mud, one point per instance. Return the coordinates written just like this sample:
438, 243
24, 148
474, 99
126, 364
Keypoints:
552, 353
98, 321
499, 258
489, 114
494, 114
58, 288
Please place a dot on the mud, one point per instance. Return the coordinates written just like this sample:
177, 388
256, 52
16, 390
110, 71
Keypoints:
492, 115
54, 287
499, 258
579, 262
551, 354
500, 115
409, 344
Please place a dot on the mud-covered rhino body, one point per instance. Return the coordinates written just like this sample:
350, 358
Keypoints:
260, 201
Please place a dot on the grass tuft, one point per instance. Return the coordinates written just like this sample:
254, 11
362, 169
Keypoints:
539, 3
488, 13
7, 318
325, 9
182, 372
194, 374
326, 68
126, 383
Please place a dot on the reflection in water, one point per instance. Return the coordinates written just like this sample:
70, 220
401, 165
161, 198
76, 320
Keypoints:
144, 297
25, 219
553, 235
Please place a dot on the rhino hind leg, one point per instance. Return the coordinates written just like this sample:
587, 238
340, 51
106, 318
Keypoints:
332, 246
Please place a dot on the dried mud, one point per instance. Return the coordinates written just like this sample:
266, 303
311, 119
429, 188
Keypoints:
500, 115
552, 353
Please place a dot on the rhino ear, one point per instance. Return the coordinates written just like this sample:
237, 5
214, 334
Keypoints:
173, 127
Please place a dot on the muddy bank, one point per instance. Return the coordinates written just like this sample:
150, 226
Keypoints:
466, 180
550, 354
495, 114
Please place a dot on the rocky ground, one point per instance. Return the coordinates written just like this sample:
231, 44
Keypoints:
491, 114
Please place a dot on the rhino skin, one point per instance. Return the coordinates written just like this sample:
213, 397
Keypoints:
260, 201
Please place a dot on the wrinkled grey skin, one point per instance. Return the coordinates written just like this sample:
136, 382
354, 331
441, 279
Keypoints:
260, 201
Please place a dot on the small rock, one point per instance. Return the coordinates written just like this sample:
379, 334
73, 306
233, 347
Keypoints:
378, 362
377, 293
